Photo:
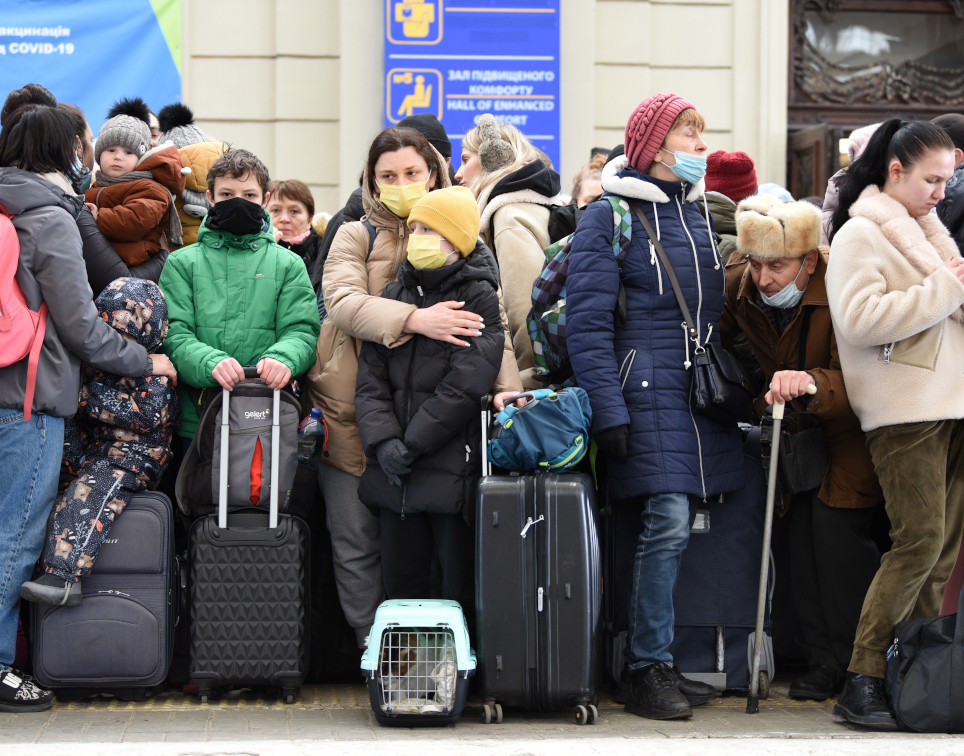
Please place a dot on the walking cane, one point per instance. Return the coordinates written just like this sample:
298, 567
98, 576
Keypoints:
753, 700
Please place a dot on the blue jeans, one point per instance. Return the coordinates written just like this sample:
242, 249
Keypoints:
30, 453
666, 520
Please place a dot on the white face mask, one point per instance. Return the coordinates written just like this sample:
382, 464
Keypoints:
789, 296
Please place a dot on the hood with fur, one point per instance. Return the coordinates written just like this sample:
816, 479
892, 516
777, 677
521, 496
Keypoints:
619, 178
534, 183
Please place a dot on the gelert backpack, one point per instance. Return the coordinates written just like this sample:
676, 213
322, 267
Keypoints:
547, 318
21, 329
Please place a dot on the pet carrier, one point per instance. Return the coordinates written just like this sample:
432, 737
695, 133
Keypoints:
418, 663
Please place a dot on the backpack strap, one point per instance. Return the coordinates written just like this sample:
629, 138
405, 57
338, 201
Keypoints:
33, 359
371, 237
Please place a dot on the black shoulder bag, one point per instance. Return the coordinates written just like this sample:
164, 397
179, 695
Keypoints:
803, 449
720, 389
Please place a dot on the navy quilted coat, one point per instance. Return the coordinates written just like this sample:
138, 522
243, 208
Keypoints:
635, 374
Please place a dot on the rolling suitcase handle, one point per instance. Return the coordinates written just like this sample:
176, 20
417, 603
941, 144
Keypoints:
275, 454
753, 699
486, 420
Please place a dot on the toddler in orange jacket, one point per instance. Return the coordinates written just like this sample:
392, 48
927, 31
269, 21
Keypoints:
134, 186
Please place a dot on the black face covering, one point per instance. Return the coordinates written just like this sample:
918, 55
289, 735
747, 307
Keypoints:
237, 216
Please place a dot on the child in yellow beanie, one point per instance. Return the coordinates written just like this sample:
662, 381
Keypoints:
418, 406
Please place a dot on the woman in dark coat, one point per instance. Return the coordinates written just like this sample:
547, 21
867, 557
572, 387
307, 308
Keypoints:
292, 206
638, 376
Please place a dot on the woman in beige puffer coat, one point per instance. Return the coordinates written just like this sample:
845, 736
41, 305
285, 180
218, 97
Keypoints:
364, 258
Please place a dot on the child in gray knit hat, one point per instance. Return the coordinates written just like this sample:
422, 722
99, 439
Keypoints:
134, 185
198, 153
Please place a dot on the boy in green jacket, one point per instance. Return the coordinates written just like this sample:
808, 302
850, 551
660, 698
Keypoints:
236, 297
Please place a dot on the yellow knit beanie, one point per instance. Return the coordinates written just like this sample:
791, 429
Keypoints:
454, 213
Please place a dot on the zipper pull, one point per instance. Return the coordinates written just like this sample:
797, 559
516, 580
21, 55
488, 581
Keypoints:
887, 350
539, 600
529, 523
892, 652
420, 291
652, 253
468, 452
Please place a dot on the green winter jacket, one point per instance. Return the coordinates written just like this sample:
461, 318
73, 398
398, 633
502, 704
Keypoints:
236, 296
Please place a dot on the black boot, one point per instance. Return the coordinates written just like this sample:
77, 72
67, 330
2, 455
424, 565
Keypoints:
50, 589
863, 702
819, 683
694, 691
654, 694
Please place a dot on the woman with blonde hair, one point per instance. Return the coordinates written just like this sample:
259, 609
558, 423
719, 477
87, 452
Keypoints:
515, 190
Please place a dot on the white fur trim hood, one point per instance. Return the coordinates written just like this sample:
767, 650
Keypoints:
488, 209
634, 188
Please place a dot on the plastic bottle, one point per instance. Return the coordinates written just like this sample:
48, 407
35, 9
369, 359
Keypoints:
308, 432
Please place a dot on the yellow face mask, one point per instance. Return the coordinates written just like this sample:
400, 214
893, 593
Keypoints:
401, 199
425, 252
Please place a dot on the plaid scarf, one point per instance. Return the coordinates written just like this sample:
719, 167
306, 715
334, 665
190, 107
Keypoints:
779, 319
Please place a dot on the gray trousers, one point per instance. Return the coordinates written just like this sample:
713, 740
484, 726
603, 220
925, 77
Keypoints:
356, 546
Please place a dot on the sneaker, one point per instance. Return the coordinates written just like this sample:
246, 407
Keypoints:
17, 694
694, 691
863, 702
818, 684
654, 694
50, 589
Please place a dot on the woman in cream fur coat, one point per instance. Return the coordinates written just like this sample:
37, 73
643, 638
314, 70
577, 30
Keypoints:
895, 282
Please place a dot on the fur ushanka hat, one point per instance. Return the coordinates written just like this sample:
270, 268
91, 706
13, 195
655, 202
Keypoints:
767, 227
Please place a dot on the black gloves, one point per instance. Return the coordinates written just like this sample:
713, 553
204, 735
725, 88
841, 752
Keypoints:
613, 442
395, 459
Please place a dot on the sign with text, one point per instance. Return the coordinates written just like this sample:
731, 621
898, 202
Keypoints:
93, 52
459, 59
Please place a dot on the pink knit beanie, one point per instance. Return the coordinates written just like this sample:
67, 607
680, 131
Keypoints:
648, 126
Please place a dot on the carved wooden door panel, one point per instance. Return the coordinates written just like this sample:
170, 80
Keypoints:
807, 158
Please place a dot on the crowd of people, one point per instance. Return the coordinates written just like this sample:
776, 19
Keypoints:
168, 261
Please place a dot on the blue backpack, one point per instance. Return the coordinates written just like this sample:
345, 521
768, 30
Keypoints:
550, 433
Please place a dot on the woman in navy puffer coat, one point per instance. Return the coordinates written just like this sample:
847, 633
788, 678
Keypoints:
658, 449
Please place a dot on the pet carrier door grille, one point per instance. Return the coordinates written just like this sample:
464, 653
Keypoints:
418, 671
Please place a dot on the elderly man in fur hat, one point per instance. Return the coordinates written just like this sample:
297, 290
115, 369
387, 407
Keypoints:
777, 296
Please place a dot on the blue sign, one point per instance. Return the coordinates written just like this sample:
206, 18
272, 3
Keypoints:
459, 59
93, 52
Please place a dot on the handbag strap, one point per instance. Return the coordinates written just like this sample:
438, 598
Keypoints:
690, 326
804, 333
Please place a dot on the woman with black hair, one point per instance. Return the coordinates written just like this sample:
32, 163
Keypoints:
895, 282
37, 151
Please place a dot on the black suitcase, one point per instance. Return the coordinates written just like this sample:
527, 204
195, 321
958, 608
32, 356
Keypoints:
120, 639
248, 590
716, 591
538, 591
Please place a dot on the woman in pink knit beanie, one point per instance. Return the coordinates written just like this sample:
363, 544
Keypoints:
663, 457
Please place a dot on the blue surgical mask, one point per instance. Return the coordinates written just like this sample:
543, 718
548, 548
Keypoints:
84, 176
690, 168
789, 296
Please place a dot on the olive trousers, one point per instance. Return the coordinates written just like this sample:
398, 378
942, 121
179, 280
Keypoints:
921, 470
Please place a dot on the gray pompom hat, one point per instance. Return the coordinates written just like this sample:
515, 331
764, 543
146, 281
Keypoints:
123, 131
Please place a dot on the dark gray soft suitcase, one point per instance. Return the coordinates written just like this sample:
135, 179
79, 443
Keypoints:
248, 584
119, 640
538, 591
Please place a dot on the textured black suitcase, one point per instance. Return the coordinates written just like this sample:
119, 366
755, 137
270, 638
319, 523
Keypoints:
538, 591
716, 591
120, 639
248, 589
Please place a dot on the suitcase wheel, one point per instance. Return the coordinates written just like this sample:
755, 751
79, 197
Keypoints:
581, 715
491, 713
593, 714
764, 685
289, 695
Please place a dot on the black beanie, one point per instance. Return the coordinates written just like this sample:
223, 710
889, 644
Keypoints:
432, 129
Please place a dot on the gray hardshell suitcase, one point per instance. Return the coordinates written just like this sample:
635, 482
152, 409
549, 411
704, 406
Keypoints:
248, 586
119, 640
538, 591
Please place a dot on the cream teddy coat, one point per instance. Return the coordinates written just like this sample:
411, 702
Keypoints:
896, 310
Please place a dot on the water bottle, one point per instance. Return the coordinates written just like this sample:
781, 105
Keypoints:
308, 432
